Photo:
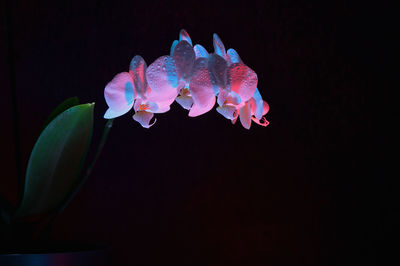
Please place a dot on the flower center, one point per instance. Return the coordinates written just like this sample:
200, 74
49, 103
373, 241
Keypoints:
185, 91
144, 107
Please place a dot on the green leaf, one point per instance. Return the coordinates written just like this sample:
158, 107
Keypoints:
56, 160
68, 103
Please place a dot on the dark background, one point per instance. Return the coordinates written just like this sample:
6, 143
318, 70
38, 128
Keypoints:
306, 190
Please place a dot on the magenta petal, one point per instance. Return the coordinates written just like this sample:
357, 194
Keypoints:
183, 35
119, 92
242, 80
245, 116
218, 69
200, 51
201, 88
163, 79
265, 108
137, 69
219, 47
184, 57
144, 118
262, 122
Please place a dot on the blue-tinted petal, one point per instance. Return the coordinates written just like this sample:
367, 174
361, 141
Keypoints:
174, 43
258, 108
200, 51
184, 59
183, 35
219, 47
232, 57
218, 69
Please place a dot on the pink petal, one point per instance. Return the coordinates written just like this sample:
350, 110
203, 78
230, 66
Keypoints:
119, 93
233, 98
184, 57
183, 35
218, 69
228, 111
242, 80
201, 88
164, 106
144, 118
200, 51
219, 47
197, 110
265, 108
137, 69
163, 79
262, 122
232, 57
245, 116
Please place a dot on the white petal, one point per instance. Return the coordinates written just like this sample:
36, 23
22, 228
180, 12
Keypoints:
228, 111
185, 101
110, 113
144, 118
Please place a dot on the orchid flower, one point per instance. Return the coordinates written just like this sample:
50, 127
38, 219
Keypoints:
196, 92
133, 89
238, 93
193, 74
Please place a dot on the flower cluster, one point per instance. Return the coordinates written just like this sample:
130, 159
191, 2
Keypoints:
192, 77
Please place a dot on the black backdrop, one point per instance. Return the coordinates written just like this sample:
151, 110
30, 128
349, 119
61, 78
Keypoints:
201, 191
